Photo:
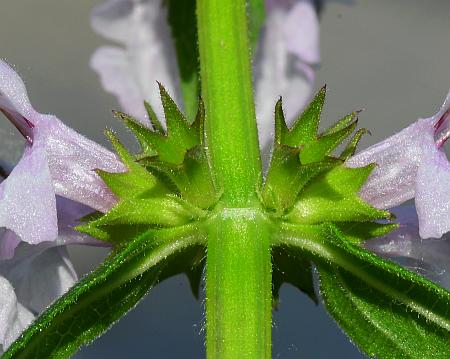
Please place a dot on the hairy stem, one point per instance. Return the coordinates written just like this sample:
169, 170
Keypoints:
226, 79
239, 286
238, 269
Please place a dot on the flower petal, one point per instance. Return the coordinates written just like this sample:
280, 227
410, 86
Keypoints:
112, 19
148, 55
14, 318
13, 94
433, 179
69, 213
429, 257
27, 198
111, 64
411, 164
301, 31
289, 46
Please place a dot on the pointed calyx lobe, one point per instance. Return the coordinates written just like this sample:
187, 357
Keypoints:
312, 198
167, 201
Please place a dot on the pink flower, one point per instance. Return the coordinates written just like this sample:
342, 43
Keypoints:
413, 164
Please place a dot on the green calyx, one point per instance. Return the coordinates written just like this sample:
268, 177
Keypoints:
306, 183
170, 184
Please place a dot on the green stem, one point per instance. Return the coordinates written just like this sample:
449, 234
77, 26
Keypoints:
239, 286
226, 79
238, 268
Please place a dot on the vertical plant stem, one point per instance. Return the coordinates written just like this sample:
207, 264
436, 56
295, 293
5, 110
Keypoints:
238, 274
227, 90
238, 287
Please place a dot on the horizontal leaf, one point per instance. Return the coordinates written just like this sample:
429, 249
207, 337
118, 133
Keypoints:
98, 300
381, 327
387, 310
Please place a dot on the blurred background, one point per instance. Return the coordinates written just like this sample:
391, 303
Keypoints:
389, 57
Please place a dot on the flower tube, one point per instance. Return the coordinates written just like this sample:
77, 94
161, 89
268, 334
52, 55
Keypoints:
412, 164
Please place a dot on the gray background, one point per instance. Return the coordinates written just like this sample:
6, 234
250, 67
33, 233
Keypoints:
389, 57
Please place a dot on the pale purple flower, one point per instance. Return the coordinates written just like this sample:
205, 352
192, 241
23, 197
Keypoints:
284, 63
52, 186
413, 164
56, 161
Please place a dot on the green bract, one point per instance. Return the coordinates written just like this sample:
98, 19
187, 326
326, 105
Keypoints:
170, 209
